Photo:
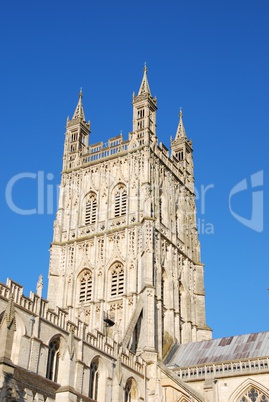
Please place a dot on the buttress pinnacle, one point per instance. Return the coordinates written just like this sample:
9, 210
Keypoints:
181, 133
79, 111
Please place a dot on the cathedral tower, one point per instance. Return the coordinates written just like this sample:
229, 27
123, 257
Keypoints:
125, 257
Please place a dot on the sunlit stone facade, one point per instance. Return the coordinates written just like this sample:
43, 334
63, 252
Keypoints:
126, 286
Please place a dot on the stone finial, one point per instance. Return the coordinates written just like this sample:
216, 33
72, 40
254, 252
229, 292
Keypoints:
144, 87
39, 286
145, 67
181, 133
79, 111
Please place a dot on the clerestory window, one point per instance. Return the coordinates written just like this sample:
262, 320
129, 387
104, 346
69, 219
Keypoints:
53, 359
94, 379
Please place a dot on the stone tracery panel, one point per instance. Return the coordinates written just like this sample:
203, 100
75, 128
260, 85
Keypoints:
253, 395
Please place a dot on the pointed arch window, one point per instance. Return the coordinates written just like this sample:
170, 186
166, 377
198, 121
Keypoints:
53, 359
117, 280
127, 393
85, 293
130, 390
91, 209
140, 113
180, 155
94, 379
120, 201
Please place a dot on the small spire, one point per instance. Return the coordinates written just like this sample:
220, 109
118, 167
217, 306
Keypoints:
79, 112
39, 286
145, 67
181, 133
144, 87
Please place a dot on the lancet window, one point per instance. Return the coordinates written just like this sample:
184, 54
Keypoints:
91, 209
117, 280
120, 201
85, 293
180, 155
53, 359
127, 394
130, 391
94, 379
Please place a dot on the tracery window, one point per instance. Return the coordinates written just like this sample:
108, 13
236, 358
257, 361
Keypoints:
91, 209
117, 280
85, 293
120, 201
253, 395
94, 379
53, 359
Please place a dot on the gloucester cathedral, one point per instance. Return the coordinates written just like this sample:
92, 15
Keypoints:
124, 318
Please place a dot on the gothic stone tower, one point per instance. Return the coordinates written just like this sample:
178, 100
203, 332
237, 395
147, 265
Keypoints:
125, 257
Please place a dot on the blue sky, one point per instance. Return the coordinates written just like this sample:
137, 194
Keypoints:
210, 58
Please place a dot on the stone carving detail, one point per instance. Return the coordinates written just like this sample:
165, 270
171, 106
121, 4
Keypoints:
63, 252
130, 301
101, 249
116, 306
132, 242
10, 390
148, 237
71, 256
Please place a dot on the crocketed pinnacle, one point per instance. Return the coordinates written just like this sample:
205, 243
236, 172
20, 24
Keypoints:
79, 112
181, 133
144, 87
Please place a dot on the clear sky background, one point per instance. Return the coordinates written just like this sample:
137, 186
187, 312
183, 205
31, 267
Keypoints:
210, 58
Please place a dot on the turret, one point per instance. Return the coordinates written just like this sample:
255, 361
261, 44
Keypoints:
76, 137
182, 152
144, 113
